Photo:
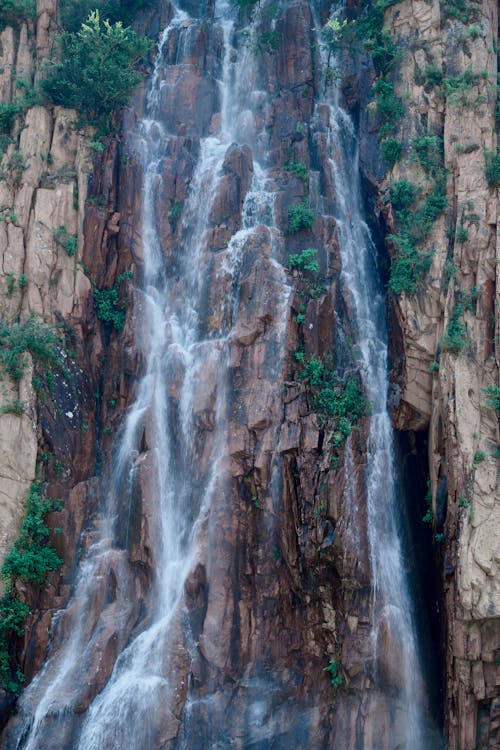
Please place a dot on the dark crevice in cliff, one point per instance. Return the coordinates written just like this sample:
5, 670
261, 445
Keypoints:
422, 561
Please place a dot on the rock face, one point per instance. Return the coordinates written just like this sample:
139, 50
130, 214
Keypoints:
451, 402
282, 583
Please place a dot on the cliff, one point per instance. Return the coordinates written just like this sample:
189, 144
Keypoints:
281, 586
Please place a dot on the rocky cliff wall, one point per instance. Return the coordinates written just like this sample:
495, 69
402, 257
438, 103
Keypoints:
313, 588
442, 390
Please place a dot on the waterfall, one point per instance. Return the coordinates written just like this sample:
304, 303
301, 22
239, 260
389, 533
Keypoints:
136, 706
393, 629
123, 657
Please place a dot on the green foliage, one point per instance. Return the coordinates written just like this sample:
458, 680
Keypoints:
66, 241
459, 10
391, 150
16, 407
11, 280
492, 168
335, 398
458, 87
433, 75
8, 113
106, 304
493, 400
403, 194
30, 560
300, 216
429, 516
479, 457
22, 281
175, 211
389, 107
456, 334
75, 12
14, 12
333, 669
462, 234
97, 70
409, 265
42, 341
428, 149
297, 168
305, 261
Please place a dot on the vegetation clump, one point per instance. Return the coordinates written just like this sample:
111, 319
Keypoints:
337, 399
14, 12
42, 341
333, 669
97, 70
300, 216
455, 337
306, 261
66, 240
492, 169
30, 560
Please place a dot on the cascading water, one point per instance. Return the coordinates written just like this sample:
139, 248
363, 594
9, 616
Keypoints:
392, 618
135, 708
124, 668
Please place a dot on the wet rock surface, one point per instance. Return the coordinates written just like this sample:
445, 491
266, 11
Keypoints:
282, 580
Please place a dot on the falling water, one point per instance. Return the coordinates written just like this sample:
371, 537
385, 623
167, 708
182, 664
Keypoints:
392, 618
135, 708
136, 705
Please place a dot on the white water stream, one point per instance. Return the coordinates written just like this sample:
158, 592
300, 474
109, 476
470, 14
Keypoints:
392, 618
134, 708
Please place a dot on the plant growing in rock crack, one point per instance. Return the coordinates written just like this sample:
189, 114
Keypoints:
333, 668
66, 240
29, 560
338, 399
300, 216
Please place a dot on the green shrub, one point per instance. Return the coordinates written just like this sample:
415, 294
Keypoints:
30, 560
300, 216
457, 87
8, 113
66, 241
97, 70
493, 400
456, 333
492, 168
13, 12
403, 194
305, 261
42, 341
433, 75
391, 150
335, 398
297, 168
479, 457
462, 234
333, 669
459, 10
106, 304
429, 151
389, 107
408, 266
